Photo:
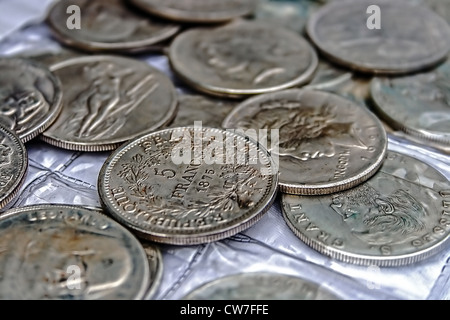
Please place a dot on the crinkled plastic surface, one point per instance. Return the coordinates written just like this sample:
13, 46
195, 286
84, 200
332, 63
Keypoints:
60, 176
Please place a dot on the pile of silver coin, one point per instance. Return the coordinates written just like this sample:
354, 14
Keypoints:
275, 107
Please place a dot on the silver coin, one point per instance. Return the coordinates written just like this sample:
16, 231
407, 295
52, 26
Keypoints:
410, 38
198, 108
59, 252
186, 186
197, 11
13, 166
398, 217
261, 286
325, 143
154, 258
107, 26
418, 105
30, 97
242, 58
109, 100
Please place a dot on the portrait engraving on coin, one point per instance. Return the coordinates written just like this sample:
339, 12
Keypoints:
30, 97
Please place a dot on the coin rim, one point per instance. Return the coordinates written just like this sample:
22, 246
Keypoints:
212, 234
365, 67
105, 145
219, 91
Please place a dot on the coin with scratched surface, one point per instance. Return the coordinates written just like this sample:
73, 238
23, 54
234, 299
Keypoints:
108, 100
154, 258
13, 165
398, 217
409, 38
30, 97
198, 11
324, 142
418, 105
261, 286
107, 26
242, 58
58, 252
187, 186
198, 108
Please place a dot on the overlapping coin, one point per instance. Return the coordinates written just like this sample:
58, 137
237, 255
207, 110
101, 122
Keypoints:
13, 166
59, 252
400, 216
109, 100
242, 58
406, 38
188, 185
418, 105
261, 286
325, 143
198, 11
107, 26
30, 97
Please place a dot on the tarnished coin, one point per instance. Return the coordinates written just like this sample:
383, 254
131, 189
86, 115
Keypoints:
109, 100
242, 58
261, 286
418, 105
13, 165
154, 258
324, 142
58, 252
198, 108
398, 217
30, 97
107, 26
408, 38
189, 185
198, 11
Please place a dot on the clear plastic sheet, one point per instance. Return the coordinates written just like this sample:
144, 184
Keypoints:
61, 176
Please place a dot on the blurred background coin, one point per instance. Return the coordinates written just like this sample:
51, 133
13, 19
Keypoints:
198, 11
190, 185
261, 286
30, 97
242, 58
398, 217
108, 26
418, 105
326, 143
109, 100
58, 252
409, 37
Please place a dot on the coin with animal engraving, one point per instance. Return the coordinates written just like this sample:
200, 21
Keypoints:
188, 185
242, 58
261, 286
398, 217
107, 26
324, 143
380, 36
198, 11
13, 166
30, 97
59, 252
207, 111
418, 105
154, 257
108, 100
